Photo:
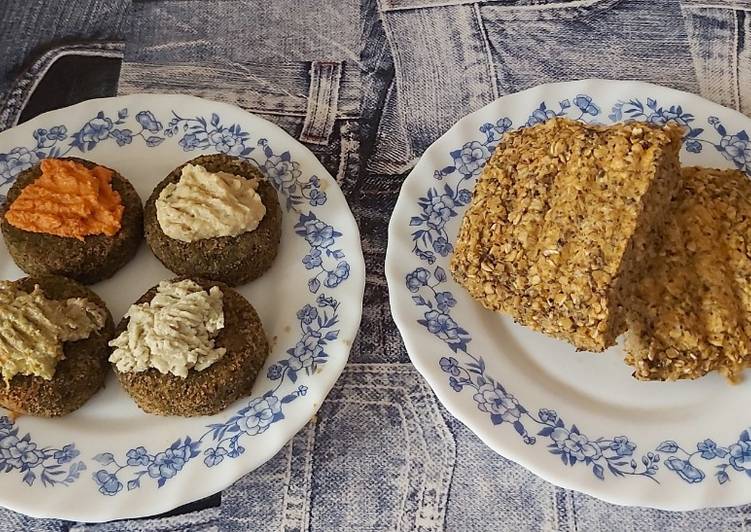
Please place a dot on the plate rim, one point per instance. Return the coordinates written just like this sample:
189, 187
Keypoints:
399, 305
356, 290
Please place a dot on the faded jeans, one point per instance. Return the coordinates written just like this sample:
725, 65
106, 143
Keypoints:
368, 85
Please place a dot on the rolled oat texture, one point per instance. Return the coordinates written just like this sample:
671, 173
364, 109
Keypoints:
692, 310
563, 220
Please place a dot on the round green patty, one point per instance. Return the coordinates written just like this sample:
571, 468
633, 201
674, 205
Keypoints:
78, 376
95, 258
210, 391
232, 260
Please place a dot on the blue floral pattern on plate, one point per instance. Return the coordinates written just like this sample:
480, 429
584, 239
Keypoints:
22, 455
616, 455
325, 261
222, 441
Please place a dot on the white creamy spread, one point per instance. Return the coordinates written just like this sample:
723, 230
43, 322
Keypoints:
205, 204
174, 332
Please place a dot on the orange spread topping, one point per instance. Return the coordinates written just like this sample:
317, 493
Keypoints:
68, 200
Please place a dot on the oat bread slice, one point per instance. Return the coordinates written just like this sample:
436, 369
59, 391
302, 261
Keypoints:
562, 221
692, 310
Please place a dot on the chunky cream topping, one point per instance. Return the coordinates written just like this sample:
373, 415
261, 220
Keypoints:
33, 329
205, 204
173, 333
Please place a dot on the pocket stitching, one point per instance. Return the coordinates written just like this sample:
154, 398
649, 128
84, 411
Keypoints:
24, 85
388, 6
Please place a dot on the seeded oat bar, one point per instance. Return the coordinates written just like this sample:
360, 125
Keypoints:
692, 310
562, 222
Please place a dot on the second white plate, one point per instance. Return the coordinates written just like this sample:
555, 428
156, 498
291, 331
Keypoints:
576, 419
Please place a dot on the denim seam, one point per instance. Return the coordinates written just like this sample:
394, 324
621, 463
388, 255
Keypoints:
380, 133
572, 4
296, 503
492, 74
725, 90
394, 86
407, 467
380, 387
26, 83
412, 524
561, 497
245, 89
383, 51
133, 81
381, 367
716, 6
744, 69
734, 55
395, 57
448, 436
323, 98
432, 511
574, 516
349, 150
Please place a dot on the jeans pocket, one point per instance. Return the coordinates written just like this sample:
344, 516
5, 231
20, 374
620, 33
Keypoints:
377, 456
15, 99
584, 43
450, 59
719, 34
384, 448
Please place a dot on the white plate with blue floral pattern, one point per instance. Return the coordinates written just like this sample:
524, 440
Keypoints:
109, 460
577, 420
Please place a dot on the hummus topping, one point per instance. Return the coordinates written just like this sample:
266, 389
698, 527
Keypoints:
33, 329
174, 332
68, 200
205, 204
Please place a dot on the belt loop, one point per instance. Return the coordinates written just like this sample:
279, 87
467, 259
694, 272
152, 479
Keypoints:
323, 98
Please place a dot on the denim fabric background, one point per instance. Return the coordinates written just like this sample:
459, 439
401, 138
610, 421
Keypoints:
368, 85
